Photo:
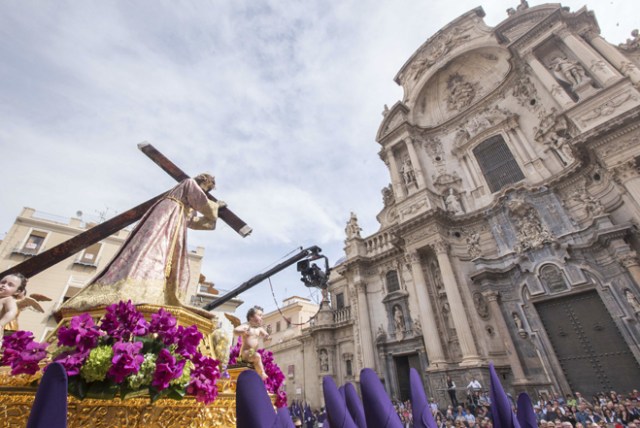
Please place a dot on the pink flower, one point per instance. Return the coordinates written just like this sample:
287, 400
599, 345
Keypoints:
22, 353
122, 321
72, 361
188, 340
126, 360
204, 375
81, 333
164, 324
167, 369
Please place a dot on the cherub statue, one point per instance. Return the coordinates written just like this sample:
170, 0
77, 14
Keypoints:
28, 302
12, 287
251, 332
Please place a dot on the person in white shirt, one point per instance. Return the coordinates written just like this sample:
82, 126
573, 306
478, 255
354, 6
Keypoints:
474, 385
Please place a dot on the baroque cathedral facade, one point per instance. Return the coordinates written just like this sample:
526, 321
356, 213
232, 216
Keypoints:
509, 232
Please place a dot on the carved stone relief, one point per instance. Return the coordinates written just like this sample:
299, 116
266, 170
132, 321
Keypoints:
592, 205
525, 92
633, 43
531, 233
461, 92
485, 119
433, 147
472, 238
619, 146
607, 108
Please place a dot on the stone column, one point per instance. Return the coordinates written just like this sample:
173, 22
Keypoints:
366, 339
603, 72
415, 162
628, 175
396, 181
458, 313
615, 57
503, 330
426, 315
549, 82
522, 140
630, 262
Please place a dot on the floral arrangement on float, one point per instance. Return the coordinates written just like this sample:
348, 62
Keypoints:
123, 355
275, 378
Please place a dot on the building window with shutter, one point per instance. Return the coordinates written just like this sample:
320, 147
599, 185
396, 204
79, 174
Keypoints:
34, 242
89, 257
498, 165
392, 281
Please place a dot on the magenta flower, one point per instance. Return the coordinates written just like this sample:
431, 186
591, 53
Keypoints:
122, 321
126, 360
188, 340
72, 361
275, 379
235, 352
167, 369
81, 333
164, 324
204, 375
22, 353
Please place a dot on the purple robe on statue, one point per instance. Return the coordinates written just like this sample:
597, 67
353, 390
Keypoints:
152, 267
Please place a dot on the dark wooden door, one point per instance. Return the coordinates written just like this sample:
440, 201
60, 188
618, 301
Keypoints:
403, 364
592, 352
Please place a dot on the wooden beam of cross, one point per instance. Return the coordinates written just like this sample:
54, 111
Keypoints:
172, 169
54, 255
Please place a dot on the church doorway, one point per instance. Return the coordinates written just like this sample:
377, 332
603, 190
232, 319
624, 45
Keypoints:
592, 353
403, 364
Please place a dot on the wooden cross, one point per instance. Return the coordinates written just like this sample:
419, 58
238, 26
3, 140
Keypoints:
46, 259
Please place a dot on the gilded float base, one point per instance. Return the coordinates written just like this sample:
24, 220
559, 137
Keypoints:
16, 399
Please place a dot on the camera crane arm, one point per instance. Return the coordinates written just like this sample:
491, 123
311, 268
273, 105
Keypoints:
311, 253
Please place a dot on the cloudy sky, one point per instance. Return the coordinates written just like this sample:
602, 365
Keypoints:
281, 100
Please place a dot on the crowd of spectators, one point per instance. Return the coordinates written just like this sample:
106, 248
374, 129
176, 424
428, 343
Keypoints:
604, 410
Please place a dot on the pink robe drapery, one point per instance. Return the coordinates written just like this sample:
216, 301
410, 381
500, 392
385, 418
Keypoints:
152, 267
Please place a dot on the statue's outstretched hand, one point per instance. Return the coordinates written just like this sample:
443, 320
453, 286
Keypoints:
221, 204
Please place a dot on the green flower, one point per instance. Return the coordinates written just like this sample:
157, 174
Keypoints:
145, 374
185, 378
98, 364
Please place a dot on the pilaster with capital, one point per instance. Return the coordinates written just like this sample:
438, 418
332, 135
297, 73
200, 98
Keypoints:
602, 71
415, 161
366, 339
615, 57
461, 322
628, 175
493, 298
548, 81
629, 260
426, 315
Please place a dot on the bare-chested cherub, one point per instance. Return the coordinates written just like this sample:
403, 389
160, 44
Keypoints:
251, 332
12, 287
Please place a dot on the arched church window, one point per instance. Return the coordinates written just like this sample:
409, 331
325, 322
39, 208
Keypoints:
393, 284
497, 163
551, 277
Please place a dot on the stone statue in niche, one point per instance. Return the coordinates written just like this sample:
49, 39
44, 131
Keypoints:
353, 229
452, 201
569, 71
323, 357
398, 321
632, 300
381, 334
408, 174
436, 275
481, 305
561, 146
388, 197
517, 321
530, 231
448, 318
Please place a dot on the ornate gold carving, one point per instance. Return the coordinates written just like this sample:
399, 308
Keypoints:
15, 406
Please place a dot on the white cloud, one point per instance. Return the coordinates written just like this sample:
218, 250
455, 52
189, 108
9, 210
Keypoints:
281, 100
